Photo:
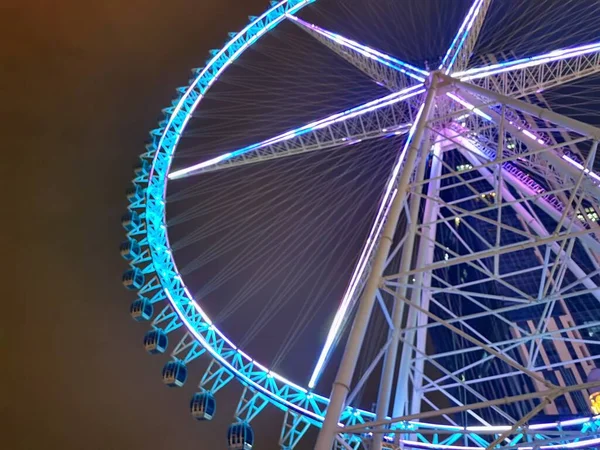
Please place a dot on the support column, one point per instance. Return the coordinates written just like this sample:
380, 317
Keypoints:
341, 385
423, 283
389, 364
425, 256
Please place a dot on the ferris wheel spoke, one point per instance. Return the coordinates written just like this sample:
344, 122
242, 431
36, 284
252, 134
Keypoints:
459, 53
527, 76
386, 116
384, 69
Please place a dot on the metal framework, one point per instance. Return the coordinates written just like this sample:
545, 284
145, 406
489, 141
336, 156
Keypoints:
473, 113
380, 118
526, 76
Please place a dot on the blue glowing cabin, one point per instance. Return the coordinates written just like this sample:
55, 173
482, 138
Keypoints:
133, 279
240, 436
142, 168
130, 249
135, 193
156, 341
203, 405
141, 310
174, 373
131, 221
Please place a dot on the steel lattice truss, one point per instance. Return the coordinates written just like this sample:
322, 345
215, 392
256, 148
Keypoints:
519, 189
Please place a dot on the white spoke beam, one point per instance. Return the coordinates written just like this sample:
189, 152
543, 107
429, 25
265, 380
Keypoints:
341, 386
365, 264
385, 70
459, 53
382, 117
530, 75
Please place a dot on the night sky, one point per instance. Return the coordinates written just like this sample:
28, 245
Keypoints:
85, 82
82, 84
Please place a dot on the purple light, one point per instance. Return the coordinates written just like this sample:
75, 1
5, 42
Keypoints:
465, 27
580, 167
579, 444
556, 55
468, 106
579, 421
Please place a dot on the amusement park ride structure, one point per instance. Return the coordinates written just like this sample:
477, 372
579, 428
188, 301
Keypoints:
526, 174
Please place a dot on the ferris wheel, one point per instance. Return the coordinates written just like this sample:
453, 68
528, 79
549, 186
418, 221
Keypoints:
423, 237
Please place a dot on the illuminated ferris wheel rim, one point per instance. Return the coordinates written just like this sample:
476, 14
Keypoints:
281, 391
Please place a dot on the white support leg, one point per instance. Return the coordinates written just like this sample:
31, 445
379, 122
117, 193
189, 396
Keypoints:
426, 248
389, 365
341, 385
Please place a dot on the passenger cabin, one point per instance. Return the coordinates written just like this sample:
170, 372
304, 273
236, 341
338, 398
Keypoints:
174, 373
203, 405
240, 436
156, 341
130, 249
133, 279
131, 221
141, 310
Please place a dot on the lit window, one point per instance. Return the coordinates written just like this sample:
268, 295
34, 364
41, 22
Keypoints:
591, 214
463, 167
595, 401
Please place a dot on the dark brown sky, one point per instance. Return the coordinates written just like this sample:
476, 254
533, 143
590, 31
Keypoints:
83, 83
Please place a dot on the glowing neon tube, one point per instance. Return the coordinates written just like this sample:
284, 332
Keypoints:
335, 118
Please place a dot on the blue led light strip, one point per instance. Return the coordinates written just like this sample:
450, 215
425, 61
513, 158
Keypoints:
462, 34
335, 118
279, 390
